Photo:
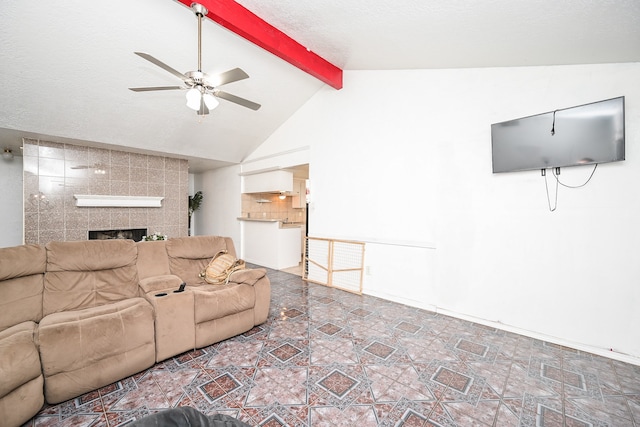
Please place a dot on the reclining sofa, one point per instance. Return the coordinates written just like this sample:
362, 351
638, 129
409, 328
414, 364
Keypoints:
76, 316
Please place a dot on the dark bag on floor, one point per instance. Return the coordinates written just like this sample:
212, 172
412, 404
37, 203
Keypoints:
186, 416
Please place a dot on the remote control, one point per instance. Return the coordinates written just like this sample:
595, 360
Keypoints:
181, 288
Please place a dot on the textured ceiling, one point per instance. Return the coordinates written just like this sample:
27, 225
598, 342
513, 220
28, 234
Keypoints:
412, 34
66, 66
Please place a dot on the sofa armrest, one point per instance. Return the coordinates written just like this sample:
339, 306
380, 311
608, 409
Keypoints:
159, 283
248, 276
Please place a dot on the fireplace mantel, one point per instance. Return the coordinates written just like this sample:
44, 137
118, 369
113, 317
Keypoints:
102, 201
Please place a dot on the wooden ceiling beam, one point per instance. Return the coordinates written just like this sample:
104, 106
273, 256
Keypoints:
246, 24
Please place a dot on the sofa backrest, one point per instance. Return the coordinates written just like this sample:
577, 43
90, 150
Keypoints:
188, 256
152, 259
88, 274
21, 283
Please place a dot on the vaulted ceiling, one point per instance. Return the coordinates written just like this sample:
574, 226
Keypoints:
65, 67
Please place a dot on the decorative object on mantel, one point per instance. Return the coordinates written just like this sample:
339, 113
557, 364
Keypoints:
194, 205
155, 236
102, 201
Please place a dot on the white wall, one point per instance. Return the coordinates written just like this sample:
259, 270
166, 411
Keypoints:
402, 160
221, 204
11, 219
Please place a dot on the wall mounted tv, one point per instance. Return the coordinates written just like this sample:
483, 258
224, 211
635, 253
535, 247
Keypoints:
586, 134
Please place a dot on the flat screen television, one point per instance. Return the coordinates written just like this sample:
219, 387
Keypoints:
582, 135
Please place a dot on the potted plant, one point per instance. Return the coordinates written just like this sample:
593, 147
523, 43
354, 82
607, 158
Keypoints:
194, 205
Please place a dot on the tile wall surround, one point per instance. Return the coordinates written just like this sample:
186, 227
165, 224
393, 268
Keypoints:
54, 172
254, 207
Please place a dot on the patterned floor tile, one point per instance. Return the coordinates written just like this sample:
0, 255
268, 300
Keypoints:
285, 352
338, 386
360, 415
506, 416
235, 353
426, 349
455, 380
520, 382
612, 410
369, 328
392, 383
325, 352
329, 329
408, 327
338, 383
286, 386
379, 349
219, 387
483, 413
403, 412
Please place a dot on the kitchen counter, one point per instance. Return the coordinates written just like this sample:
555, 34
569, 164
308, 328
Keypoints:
244, 218
271, 242
282, 223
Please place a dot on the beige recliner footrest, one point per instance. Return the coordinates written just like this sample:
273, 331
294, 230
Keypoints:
83, 350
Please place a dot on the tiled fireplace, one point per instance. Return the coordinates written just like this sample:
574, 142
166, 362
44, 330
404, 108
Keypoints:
54, 173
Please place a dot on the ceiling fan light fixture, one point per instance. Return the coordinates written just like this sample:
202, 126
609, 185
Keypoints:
210, 101
193, 98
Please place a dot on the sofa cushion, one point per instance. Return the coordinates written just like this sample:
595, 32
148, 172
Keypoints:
22, 403
216, 301
89, 274
152, 259
248, 276
167, 282
86, 349
19, 359
21, 284
188, 256
21, 380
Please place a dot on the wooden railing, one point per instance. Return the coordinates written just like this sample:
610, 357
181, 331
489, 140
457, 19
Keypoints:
335, 263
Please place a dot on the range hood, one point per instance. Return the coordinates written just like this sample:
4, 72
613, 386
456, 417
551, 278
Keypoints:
276, 181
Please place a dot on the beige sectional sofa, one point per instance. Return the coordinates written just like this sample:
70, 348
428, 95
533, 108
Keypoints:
76, 316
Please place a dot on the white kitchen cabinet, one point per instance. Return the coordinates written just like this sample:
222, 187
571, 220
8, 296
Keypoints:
268, 182
299, 198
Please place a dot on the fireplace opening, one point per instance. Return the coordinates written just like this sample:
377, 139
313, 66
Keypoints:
134, 234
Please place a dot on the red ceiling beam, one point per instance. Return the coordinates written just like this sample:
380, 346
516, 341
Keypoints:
245, 23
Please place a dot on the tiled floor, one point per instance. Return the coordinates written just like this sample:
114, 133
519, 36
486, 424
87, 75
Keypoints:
330, 358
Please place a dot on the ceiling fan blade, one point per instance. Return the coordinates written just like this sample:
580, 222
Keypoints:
227, 77
237, 100
162, 65
148, 89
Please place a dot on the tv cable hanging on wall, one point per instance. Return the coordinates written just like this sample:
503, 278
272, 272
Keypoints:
556, 174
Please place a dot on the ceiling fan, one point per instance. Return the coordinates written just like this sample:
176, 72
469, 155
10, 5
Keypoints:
202, 89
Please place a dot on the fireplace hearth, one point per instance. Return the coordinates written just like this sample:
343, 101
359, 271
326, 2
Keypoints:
135, 234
